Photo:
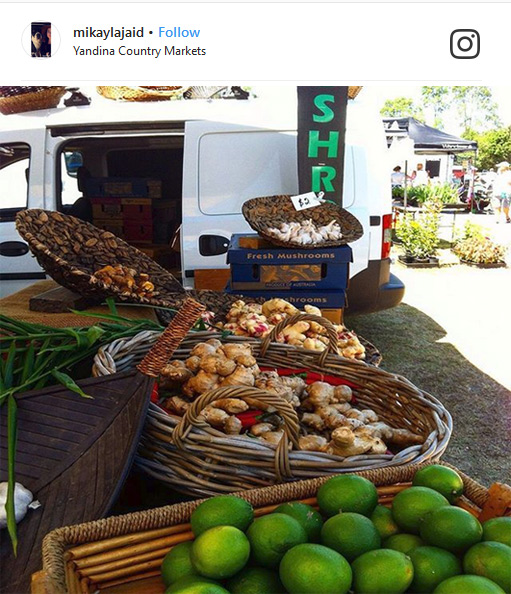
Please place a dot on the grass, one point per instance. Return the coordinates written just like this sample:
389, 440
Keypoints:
480, 406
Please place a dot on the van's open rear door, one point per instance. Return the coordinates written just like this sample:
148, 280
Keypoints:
224, 165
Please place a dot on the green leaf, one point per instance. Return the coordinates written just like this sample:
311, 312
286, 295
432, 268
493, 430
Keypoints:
28, 366
9, 366
93, 334
12, 429
111, 305
69, 383
226, 333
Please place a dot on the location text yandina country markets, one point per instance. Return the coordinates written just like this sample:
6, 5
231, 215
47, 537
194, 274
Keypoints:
139, 51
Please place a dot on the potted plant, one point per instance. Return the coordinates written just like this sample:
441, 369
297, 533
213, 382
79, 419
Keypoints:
419, 235
476, 248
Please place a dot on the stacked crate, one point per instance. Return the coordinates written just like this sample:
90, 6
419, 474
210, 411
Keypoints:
133, 209
300, 276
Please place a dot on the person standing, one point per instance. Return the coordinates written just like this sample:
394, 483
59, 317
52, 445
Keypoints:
397, 177
502, 191
420, 176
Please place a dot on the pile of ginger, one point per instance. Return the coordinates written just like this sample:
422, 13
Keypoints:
254, 319
328, 421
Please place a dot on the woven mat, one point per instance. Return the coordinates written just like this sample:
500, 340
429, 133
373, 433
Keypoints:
16, 306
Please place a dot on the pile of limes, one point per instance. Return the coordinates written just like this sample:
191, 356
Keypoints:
422, 543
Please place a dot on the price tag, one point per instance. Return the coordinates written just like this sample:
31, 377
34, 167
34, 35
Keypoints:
309, 200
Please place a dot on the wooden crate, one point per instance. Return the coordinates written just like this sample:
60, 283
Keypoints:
123, 554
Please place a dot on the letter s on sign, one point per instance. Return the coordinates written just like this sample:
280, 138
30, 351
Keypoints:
328, 113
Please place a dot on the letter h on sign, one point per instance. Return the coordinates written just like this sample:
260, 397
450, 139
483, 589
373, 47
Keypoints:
321, 133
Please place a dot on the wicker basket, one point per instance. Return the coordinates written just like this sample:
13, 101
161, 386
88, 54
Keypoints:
71, 250
194, 458
21, 99
142, 93
127, 551
271, 211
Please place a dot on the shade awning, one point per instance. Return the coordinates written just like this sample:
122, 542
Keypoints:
426, 138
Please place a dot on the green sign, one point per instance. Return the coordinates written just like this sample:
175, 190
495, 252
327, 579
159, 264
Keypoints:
321, 132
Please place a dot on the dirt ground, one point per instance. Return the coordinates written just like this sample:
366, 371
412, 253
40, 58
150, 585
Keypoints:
451, 337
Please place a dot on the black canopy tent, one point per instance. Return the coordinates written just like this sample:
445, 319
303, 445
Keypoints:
426, 139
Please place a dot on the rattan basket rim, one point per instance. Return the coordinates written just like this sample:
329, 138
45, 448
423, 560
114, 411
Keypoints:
56, 542
425, 415
267, 212
39, 98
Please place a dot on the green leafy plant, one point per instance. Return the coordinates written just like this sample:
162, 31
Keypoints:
419, 234
475, 246
419, 195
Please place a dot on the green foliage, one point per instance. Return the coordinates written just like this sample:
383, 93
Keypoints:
417, 196
475, 107
437, 99
401, 107
479, 250
419, 234
494, 146
475, 246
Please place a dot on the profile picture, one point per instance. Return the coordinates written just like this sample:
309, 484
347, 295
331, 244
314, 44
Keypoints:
40, 40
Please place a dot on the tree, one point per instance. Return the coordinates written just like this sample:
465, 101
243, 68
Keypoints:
401, 107
436, 98
475, 106
494, 146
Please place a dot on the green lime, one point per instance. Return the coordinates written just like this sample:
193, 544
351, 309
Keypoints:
350, 534
177, 563
431, 566
404, 543
411, 505
451, 528
442, 479
347, 493
498, 530
491, 560
308, 517
220, 552
384, 522
383, 570
224, 510
255, 580
468, 584
315, 569
272, 536
195, 585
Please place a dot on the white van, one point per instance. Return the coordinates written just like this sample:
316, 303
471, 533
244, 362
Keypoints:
211, 156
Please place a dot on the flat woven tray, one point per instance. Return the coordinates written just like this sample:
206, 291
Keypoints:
196, 459
20, 99
127, 551
161, 93
71, 250
269, 212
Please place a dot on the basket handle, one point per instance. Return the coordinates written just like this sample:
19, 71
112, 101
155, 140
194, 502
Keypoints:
264, 399
304, 317
171, 338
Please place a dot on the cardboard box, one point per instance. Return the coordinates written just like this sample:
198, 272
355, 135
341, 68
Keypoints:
141, 232
113, 225
275, 255
332, 299
262, 268
126, 187
213, 279
107, 208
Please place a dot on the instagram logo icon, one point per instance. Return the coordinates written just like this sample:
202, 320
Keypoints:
465, 44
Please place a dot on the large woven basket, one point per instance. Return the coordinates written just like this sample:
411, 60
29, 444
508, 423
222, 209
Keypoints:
161, 93
127, 551
71, 250
196, 459
21, 99
269, 212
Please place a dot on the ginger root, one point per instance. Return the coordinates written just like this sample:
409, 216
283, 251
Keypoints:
312, 443
399, 437
232, 406
200, 383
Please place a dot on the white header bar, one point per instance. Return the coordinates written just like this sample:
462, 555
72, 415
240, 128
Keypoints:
259, 42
